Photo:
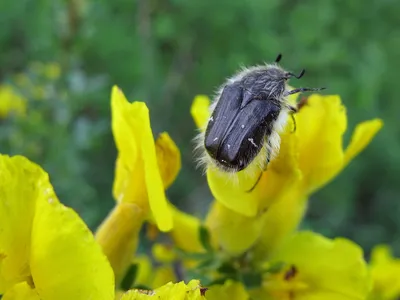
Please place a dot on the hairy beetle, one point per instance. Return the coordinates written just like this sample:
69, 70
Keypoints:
248, 113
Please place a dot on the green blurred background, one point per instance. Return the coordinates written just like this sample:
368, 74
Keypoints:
64, 56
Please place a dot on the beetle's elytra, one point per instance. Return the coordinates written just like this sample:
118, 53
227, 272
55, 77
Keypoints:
248, 113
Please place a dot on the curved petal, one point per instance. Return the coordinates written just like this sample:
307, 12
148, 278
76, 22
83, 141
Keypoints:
154, 184
124, 135
118, 236
230, 290
280, 220
186, 231
21, 184
362, 136
385, 270
168, 158
321, 123
21, 291
199, 111
138, 177
129, 183
65, 260
175, 291
233, 190
233, 232
326, 267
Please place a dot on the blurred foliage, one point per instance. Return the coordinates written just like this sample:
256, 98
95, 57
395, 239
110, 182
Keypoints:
62, 57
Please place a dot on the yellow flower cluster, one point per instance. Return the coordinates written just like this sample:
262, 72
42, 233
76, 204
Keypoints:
247, 247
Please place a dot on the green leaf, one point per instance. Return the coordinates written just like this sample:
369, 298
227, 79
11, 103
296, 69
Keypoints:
275, 268
205, 238
129, 277
251, 280
193, 255
210, 264
227, 268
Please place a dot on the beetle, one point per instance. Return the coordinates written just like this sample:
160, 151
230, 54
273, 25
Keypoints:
247, 115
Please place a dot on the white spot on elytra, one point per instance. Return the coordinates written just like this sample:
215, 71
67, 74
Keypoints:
229, 146
252, 142
211, 119
223, 160
242, 126
215, 139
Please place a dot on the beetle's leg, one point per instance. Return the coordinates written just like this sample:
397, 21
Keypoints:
294, 123
255, 184
298, 90
292, 110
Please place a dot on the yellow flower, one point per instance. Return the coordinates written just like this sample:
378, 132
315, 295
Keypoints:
144, 169
186, 231
52, 70
138, 178
316, 267
309, 157
385, 270
46, 250
230, 290
173, 291
11, 102
118, 236
231, 231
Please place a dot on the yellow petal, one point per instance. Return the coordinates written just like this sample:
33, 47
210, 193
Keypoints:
129, 183
11, 102
169, 291
327, 266
163, 253
137, 173
154, 184
230, 290
186, 231
21, 291
362, 136
66, 261
168, 158
118, 236
320, 127
233, 232
21, 184
199, 110
126, 139
385, 270
280, 220
162, 275
283, 173
235, 191
144, 271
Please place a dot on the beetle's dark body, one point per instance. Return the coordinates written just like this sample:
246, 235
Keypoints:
243, 117
247, 115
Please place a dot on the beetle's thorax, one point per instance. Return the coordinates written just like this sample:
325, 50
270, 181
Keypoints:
264, 82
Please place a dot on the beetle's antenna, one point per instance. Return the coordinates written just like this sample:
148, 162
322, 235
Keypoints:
290, 74
301, 74
298, 90
279, 57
